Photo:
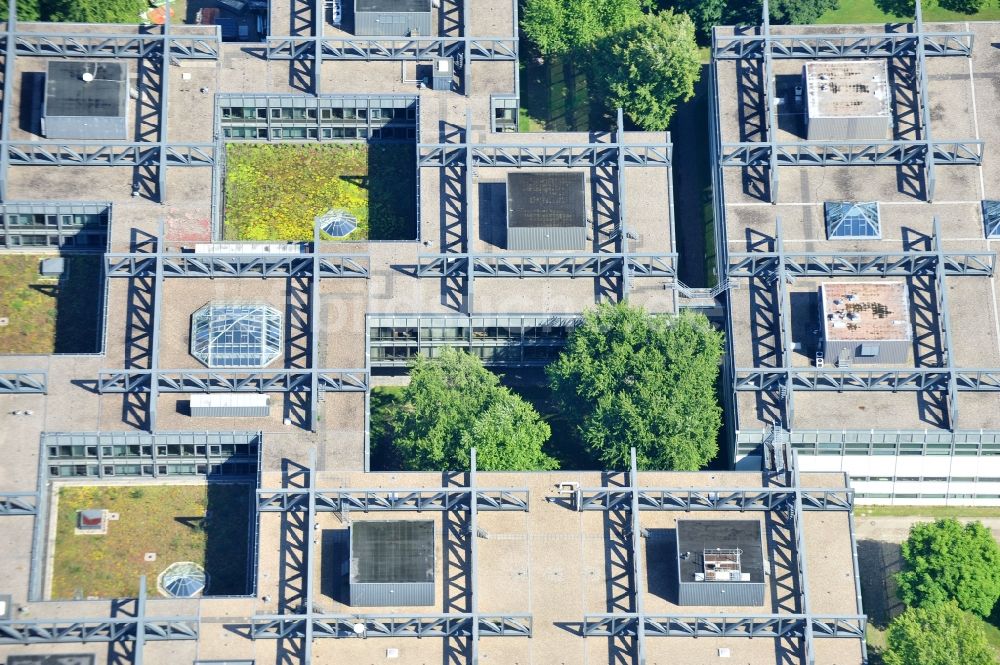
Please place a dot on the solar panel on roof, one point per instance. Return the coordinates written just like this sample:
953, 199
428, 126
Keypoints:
846, 219
396, 551
546, 200
232, 335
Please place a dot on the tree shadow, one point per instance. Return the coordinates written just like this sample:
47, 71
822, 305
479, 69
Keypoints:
392, 191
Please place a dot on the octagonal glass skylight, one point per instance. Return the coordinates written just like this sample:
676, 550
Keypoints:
236, 335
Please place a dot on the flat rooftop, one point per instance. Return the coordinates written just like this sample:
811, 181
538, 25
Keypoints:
962, 93
847, 88
865, 311
702, 542
546, 199
90, 89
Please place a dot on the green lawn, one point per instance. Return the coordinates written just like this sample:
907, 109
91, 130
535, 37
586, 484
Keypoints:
165, 519
930, 512
275, 192
47, 315
881, 11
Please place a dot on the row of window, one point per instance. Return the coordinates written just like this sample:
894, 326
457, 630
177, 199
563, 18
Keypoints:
950, 495
898, 448
262, 133
162, 450
503, 333
50, 220
495, 354
151, 470
330, 114
52, 240
927, 479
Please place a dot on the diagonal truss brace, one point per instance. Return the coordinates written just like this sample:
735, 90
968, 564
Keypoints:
381, 500
229, 381
604, 264
18, 503
721, 625
24, 381
714, 498
238, 265
390, 625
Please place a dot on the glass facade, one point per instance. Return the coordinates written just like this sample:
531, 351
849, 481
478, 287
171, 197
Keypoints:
510, 340
327, 118
887, 442
151, 455
81, 226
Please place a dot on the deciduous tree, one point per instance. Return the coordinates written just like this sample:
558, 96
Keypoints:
946, 560
939, 634
631, 379
647, 68
454, 403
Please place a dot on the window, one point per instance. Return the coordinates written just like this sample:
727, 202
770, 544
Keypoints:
991, 218
848, 220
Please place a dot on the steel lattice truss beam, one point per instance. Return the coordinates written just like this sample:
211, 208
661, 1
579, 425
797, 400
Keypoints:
512, 155
817, 46
861, 264
771, 153
231, 381
24, 381
391, 48
382, 500
237, 265
715, 498
53, 44
546, 265
18, 503
137, 629
308, 625
853, 153
96, 630
162, 49
891, 379
102, 153
721, 625
388, 625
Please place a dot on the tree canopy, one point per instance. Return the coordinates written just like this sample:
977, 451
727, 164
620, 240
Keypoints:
453, 404
636, 59
709, 13
561, 26
939, 634
79, 11
946, 560
631, 379
648, 67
